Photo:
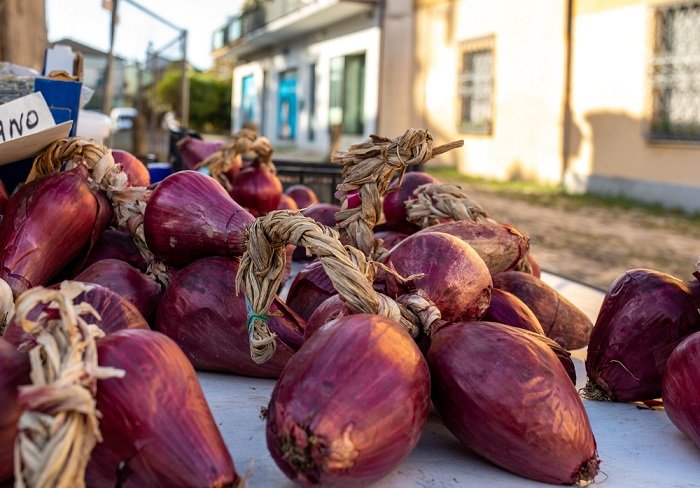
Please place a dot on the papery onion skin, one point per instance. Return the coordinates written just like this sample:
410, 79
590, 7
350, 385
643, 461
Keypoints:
14, 371
136, 171
115, 313
394, 201
506, 308
287, 203
330, 309
47, 224
143, 292
189, 216
257, 188
455, 278
4, 198
499, 245
680, 387
116, 244
323, 213
561, 320
390, 238
193, 151
644, 315
309, 288
157, 427
507, 397
350, 405
302, 195
202, 313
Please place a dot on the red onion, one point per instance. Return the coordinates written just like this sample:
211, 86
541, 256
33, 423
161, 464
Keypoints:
390, 238
190, 215
4, 198
323, 213
680, 387
499, 245
394, 201
202, 313
287, 203
48, 223
310, 287
507, 397
351, 403
644, 315
257, 188
157, 427
506, 308
115, 313
455, 278
136, 171
330, 309
14, 371
302, 195
122, 278
560, 319
193, 151
116, 244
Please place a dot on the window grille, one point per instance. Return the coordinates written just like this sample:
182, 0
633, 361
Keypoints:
675, 73
475, 86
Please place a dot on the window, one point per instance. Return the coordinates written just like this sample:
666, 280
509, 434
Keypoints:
287, 105
347, 97
249, 100
675, 73
475, 90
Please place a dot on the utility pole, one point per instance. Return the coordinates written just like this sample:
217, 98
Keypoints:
184, 83
107, 101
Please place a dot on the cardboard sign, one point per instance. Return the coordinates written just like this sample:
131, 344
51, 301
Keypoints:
27, 127
24, 116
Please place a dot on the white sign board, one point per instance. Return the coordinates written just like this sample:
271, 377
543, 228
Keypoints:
27, 127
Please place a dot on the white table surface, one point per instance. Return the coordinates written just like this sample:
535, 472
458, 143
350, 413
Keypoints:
637, 448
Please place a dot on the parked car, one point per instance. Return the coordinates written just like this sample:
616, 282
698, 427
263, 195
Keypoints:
123, 118
94, 125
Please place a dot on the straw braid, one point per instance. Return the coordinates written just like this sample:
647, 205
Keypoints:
435, 201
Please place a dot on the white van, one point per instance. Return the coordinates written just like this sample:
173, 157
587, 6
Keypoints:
123, 118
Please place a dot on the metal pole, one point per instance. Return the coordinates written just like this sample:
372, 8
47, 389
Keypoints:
107, 100
184, 85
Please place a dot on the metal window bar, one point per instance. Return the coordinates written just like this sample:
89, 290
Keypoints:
675, 73
475, 89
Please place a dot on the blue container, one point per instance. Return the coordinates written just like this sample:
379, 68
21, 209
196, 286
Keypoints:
159, 171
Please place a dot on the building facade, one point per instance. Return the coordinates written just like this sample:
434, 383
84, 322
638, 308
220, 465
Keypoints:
596, 95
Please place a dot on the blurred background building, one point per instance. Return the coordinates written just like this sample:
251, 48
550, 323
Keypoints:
597, 95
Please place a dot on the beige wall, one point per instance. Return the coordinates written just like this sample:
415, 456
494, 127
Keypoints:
610, 104
529, 57
23, 32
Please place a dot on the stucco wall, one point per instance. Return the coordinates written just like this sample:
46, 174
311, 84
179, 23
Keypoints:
529, 65
611, 103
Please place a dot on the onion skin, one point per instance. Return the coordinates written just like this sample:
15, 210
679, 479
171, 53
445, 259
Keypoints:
350, 405
4, 198
116, 244
460, 290
330, 309
645, 314
193, 151
560, 319
47, 224
394, 204
202, 313
323, 213
680, 388
189, 216
155, 420
390, 238
14, 366
506, 308
302, 195
143, 292
287, 203
311, 287
257, 188
115, 313
506, 396
499, 245
133, 167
